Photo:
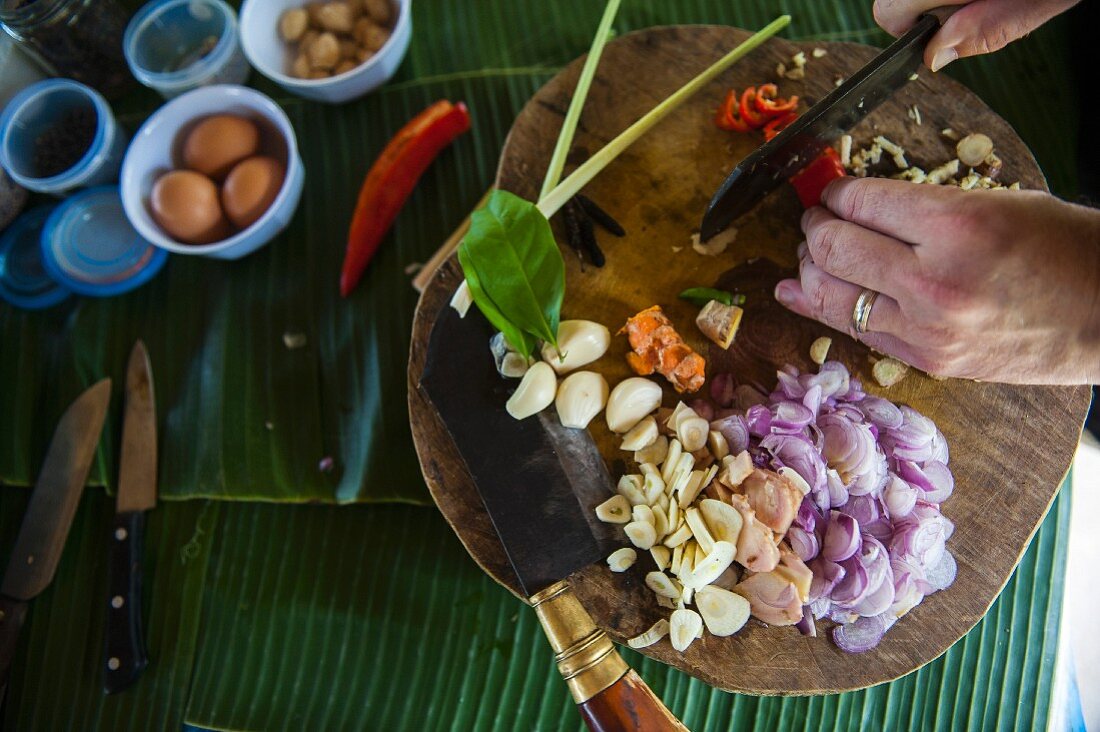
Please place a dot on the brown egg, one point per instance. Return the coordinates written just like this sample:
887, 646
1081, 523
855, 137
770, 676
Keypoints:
218, 143
250, 188
185, 204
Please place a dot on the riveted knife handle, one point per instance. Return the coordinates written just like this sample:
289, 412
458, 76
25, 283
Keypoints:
124, 646
12, 615
610, 696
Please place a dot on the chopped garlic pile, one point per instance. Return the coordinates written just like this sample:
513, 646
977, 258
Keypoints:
982, 172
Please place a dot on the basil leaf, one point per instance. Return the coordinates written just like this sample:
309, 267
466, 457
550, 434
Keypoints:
702, 295
519, 340
519, 268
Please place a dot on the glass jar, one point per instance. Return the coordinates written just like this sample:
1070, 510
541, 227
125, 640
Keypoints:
79, 39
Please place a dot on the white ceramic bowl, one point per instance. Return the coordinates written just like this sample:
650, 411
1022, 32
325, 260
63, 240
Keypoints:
155, 150
271, 55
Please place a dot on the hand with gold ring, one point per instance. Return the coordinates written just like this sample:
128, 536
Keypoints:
992, 285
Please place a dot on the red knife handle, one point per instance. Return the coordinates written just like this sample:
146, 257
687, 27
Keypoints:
124, 655
12, 615
609, 695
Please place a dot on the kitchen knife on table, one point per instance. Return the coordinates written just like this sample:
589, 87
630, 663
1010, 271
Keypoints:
796, 146
49, 515
124, 655
540, 483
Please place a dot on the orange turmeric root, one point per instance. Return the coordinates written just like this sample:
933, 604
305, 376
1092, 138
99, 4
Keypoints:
657, 347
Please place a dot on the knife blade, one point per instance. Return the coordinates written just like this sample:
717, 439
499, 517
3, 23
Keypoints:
804, 139
49, 515
124, 653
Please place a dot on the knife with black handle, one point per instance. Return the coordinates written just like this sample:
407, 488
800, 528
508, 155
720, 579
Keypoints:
124, 655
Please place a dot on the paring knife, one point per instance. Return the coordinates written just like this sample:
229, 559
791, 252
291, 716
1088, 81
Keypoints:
124, 655
540, 484
49, 515
795, 147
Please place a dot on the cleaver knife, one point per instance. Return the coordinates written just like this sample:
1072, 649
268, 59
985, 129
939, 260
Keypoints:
796, 146
540, 483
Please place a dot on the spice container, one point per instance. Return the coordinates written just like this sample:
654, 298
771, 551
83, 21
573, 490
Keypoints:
58, 135
24, 281
80, 39
173, 46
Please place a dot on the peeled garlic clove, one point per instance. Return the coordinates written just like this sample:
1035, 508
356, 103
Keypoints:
693, 433
622, 559
724, 612
684, 627
642, 534
642, 513
819, 349
615, 510
579, 342
663, 585
462, 299
717, 561
534, 393
655, 633
723, 520
661, 556
719, 446
699, 529
630, 401
580, 398
641, 435
514, 366
655, 453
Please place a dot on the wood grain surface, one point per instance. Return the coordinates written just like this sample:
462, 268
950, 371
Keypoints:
1010, 445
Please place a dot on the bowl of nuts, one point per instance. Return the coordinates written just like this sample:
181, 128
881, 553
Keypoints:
332, 50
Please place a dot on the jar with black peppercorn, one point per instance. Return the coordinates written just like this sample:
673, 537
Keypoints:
80, 39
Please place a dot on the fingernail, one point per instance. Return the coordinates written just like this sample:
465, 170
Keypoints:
784, 293
943, 57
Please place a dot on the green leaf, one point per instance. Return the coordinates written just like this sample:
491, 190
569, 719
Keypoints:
519, 340
702, 295
512, 252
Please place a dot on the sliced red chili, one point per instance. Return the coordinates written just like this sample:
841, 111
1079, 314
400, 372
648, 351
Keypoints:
811, 180
728, 116
777, 124
752, 117
768, 103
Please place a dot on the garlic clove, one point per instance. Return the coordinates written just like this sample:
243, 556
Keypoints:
679, 414
719, 446
580, 342
693, 433
661, 556
630, 401
655, 633
535, 392
724, 612
630, 487
723, 520
641, 534
663, 585
580, 398
684, 627
643, 513
654, 453
819, 349
641, 435
622, 559
462, 299
615, 510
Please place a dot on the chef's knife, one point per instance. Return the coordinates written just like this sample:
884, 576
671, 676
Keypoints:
49, 514
792, 149
540, 484
124, 654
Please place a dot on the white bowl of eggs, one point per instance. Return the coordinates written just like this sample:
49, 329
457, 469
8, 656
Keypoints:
214, 172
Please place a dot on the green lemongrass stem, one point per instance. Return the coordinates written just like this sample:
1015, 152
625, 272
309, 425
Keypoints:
580, 177
573, 114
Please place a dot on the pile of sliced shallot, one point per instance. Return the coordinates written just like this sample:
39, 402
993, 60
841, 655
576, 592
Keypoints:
870, 528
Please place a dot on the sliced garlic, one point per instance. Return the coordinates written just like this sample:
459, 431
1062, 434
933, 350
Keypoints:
672, 459
724, 612
653, 487
622, 559
462, 299
579, 342
718, 445
641, 534
680, 412
678, 537
699, 529
580, 398
640, 436
655, 633
666, 602
889, 371
673, 513
973, 149
630, 487
693, 433
794, 477
723, 520
534, 393
654, 453
663, 585
682, 474
684, 627
642, 513
687, 560
661, 556
630, 401
615, 510
692, 488
660, 523
686, 595
819, 349
717, 561
677, 560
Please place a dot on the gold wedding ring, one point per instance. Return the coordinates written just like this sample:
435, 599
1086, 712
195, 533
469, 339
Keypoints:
862, 311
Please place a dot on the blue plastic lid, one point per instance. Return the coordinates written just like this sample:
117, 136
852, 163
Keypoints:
23, 278
90, 246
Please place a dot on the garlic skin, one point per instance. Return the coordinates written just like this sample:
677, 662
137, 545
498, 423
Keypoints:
630, 402
580, 398
581, 342
535, 392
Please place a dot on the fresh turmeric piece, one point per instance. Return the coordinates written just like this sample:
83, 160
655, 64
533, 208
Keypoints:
657, 347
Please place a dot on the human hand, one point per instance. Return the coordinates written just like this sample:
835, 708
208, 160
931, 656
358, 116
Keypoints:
994, 285
981, 26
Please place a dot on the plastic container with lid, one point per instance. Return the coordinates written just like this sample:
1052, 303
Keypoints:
173, 46
50, 105
90, 247
24, 281
17, 71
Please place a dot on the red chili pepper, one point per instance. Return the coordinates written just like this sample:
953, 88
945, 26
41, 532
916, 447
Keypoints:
776, 124
771, 105
753, 118
811, 180
728, 116
392, 178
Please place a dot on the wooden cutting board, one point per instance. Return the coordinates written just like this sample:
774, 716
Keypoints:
1010, 446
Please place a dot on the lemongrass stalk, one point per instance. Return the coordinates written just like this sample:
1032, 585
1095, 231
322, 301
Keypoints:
573, 114
550, 203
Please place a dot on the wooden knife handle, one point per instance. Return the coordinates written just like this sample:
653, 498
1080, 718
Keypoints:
609, 695
124, 645
12, 615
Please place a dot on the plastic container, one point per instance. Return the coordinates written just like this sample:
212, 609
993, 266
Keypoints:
40, 106
89, 246
154, 151
271, 55
17, 71
24, 281
174, 46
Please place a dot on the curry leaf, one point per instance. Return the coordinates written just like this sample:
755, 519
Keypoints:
511, 251
519, 340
